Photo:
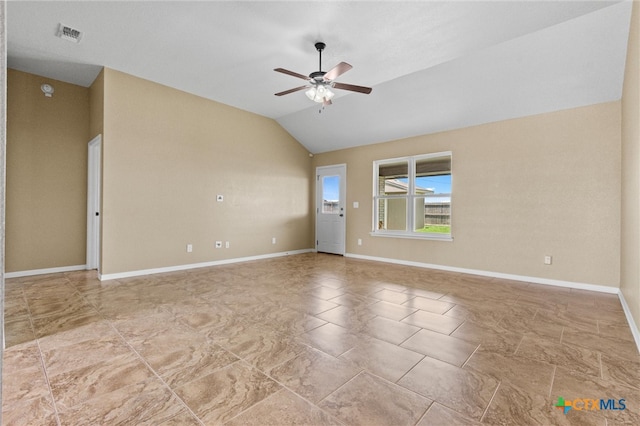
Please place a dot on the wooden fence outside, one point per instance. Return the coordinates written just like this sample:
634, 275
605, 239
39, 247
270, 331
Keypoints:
437, 214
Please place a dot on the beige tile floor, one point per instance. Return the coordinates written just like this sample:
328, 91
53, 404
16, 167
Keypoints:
312, 339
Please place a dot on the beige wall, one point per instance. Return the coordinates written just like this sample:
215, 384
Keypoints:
96, 125
167, 154
46, 173
630, 249
522, 189
3, 145
96, 106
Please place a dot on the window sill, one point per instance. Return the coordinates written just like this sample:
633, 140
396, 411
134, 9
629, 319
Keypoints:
412, 235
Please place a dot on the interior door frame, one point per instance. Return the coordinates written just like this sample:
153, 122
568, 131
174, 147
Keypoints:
343, 200
94, 200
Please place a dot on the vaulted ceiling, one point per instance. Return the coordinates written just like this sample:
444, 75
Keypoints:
433, 66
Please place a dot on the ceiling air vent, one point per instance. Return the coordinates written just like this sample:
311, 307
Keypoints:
65, 32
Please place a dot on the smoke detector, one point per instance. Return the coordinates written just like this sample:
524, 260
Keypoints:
68, 33
47, 89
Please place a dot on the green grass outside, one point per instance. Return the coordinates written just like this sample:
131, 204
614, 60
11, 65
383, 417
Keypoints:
436, 229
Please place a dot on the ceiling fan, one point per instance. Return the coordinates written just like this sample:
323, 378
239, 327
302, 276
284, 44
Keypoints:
320, 83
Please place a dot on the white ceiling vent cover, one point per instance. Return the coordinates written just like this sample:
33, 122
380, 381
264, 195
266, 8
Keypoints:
68, 33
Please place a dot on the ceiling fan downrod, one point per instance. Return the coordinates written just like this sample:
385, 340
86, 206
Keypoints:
319, 75
320, 47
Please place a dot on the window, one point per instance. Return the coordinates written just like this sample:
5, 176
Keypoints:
330, 194
412, 196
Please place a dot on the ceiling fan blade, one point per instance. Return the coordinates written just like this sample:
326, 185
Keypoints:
291, 73
352, 87
337, 71
286, 92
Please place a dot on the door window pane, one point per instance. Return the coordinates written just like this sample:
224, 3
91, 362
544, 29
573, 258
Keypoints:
331, 194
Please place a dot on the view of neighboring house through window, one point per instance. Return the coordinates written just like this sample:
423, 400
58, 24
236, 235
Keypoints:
412, 196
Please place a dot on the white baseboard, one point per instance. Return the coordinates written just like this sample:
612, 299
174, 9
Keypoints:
536, 280
115, 276
19, 274
632, 323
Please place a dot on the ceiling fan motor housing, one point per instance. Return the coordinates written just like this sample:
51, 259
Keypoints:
317, 75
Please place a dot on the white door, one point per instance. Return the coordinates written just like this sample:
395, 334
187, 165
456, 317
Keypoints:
331, 183
94, 180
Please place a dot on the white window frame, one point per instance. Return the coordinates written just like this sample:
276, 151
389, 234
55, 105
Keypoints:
410, 197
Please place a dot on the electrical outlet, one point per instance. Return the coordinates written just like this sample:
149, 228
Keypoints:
359, 241
273, 240
218, 244
547, 260
189, 248
226, 245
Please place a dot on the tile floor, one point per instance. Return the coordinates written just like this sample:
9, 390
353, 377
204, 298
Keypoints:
312, 339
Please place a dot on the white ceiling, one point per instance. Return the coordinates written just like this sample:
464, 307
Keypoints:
433, 65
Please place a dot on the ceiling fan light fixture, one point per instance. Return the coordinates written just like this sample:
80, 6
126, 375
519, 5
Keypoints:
329, 94
320, 93
311, 93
